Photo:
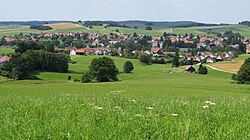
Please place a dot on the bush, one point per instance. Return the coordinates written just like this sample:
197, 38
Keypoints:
202, 70
86, 77
234, 77
76, 80
128, 67
103, 69
69, 77
243, 75
144, 58
148, 28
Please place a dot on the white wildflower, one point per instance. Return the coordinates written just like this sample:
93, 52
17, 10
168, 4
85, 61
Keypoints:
98, 108
208, 102
185, 103
205, 106
138, 115
212, 103
174, 114
150, 108
117, 107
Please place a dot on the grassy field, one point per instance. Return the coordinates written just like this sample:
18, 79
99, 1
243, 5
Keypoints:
153, 102
157, 31
6, 50
231, 66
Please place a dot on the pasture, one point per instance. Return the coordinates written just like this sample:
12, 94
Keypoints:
152, 102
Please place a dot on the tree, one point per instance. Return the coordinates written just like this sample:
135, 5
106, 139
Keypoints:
103, 69
79, 44
135, 35
148, 28
128, 67
87, 77
69, 77
202, 70
116, 30
144, 58
243, 75
176, 61
242, 48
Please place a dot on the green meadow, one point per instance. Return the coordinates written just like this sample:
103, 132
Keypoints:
6, 50
152, 102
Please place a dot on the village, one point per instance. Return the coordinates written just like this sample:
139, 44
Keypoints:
108, 44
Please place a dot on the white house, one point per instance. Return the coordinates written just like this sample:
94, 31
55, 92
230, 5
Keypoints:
72, 52
210, 60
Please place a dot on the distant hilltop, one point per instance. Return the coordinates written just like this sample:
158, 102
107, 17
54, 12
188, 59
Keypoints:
27, 23
126, 24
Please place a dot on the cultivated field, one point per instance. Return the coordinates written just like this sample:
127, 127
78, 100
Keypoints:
231, 66
153, 102
63, 26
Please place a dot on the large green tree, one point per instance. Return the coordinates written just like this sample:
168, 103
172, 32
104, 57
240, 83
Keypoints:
243, 75
144, 58
103, 69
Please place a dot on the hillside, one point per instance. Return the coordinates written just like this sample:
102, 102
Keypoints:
157, 30
152, 98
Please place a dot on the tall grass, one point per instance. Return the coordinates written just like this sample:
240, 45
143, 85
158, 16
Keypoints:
149, 103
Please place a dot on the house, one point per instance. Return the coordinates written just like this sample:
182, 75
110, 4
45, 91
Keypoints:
220, 57
188, 42
78, 51
87, 50
4, 59
248, 48
209, 60
10, 39
190, 69
114, 41
199, 45
157, 52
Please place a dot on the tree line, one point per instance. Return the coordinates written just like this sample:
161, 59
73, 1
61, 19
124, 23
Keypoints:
40, 27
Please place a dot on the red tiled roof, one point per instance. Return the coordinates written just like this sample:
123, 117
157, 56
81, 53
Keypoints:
155, 49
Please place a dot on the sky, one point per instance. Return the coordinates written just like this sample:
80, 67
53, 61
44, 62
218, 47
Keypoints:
207, 11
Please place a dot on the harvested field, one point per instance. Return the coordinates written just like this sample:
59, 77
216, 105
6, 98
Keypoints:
229, 66
63, 25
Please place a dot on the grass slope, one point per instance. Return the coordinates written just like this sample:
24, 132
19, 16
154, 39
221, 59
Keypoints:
6, 50
143, 105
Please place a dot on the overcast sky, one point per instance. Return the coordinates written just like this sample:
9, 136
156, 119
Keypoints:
209, 11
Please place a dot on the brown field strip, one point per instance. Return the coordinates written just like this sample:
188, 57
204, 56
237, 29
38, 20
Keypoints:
229, 66
63, 25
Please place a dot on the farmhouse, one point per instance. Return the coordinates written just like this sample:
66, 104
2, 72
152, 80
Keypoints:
220, 57
190, 69
157, 52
